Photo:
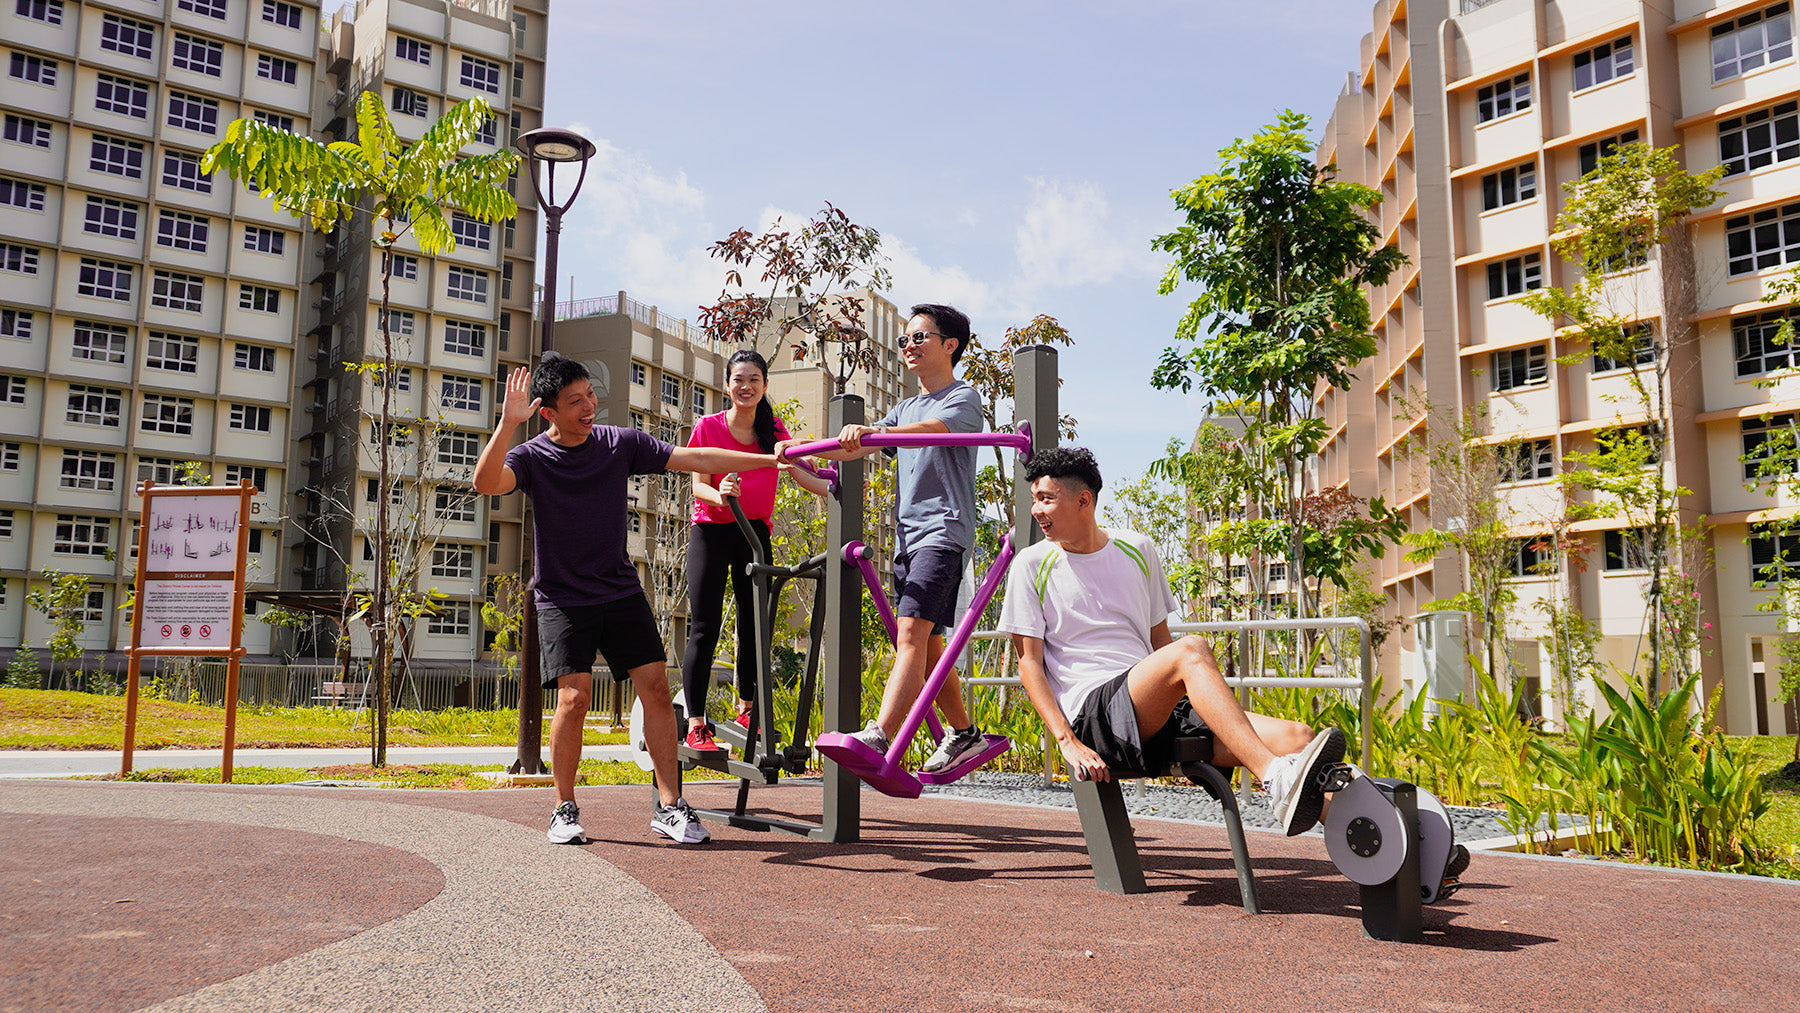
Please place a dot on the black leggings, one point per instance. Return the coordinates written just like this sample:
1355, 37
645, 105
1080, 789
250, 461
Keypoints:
716, 551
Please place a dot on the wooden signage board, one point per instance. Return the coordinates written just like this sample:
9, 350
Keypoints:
192, 548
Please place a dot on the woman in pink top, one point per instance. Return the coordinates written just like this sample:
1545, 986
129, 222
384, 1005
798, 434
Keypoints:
717, 547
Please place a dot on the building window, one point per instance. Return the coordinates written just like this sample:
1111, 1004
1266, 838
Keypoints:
699, 400
16, 259
259, 299
506, 281
671, 391
461, 393
104, 279
459, 448
1509, 186
518, 79
105, 216
1603, 63
275, 120
161, 471
34, 69
50, 12
182, 171
173, 290
637, 421
95, 406
98, 342
1277, 572
452, 561
450, 620
400, 323
1762, 239
1641, 443
202, 56
12, 389
405, 268
1532, 556
16, 324
250, 418
1760, 138
1503, 98
173, 416
258, 476
278, 12
179, 230
1770, 447
402, 379
260, 240
470, 232
89, 470
116, 156
122, 95
205, 8
410, 103
82, 536
1525, 461
126, 36
1754, 40
412, 50
9, 456
173, 353
1642, 350
255, 358
639, 375
1593, 152
468, 285
455, 505
481, 75
277, 69
1774, 555
191, 112
25, 130
489, 131
1520, 367
463, 338
18, 193
6, 531
1515, 275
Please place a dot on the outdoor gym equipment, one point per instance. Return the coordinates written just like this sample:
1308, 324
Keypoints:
883, 771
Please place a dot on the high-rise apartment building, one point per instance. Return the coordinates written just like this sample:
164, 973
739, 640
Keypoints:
152, 315
1470, 117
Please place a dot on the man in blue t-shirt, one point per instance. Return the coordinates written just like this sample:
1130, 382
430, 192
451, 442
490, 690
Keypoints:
936, 517
586, 589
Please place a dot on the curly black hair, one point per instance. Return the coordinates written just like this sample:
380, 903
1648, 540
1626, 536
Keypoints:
1065, 464
555, 371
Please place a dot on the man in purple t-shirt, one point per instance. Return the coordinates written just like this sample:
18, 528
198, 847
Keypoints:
587, 592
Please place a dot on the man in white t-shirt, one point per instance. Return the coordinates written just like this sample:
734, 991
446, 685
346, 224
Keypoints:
1088, 610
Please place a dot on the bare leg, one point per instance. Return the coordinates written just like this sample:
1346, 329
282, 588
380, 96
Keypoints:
1187, 668
916, 651
950, 694
652, 684
574, 692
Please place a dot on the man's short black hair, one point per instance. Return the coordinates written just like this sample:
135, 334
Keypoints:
951, 323
555, 371
1065, 464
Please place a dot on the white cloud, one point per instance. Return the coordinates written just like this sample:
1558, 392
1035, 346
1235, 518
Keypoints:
916, 281
1067, 238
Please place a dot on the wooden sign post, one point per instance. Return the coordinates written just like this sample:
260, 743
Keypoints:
192, 545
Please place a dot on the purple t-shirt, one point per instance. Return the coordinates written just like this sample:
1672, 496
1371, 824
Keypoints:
578, 512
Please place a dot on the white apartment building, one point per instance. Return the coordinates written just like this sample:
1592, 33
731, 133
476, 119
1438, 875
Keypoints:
1469, 117
152, 316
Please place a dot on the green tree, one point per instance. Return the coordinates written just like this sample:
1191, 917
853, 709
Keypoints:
63, 601
401, 188
1280, 250
1618, 223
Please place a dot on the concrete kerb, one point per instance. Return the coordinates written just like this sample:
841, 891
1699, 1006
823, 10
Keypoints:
516, 917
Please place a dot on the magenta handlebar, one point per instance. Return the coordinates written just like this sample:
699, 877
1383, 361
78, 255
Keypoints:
1019, 441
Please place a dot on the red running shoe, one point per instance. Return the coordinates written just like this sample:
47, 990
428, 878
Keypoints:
743, 716
700, 739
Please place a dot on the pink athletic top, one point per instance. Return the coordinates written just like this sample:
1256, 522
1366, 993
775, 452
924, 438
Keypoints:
756, 494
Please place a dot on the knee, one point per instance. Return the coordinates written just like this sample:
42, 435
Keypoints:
1197, 653
574, 701
1290, 737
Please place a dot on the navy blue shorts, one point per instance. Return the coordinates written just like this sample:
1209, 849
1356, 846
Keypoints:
1107, 722
925, 585
623, 632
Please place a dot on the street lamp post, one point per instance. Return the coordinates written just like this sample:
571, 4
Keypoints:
552, 147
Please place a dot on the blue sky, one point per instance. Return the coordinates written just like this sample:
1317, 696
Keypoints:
1016, 157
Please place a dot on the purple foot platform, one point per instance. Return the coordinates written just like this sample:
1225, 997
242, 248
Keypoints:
860, 759
996, 744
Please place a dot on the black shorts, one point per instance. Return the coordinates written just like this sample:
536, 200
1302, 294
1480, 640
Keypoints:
925, 585
623, 632
1107, 722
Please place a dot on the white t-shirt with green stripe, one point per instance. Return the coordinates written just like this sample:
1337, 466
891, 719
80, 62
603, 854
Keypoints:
1093, 611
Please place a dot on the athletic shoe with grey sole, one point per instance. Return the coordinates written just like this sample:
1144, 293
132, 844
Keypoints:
679, 823
1294, 781
954, 749
565, 825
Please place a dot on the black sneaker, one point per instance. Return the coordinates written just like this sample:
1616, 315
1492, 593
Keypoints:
954, 749
679, 823
565, 825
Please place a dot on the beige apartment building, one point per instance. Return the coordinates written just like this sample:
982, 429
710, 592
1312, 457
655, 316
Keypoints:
1469, 116
151, 315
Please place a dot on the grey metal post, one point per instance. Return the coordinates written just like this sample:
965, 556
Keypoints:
1034, 401
842, 646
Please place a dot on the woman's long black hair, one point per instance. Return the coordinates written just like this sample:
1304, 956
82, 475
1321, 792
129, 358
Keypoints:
765, 412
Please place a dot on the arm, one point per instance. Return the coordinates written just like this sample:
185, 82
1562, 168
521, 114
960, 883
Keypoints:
492, 476
1160, 637
714, 495
850, 446
1083, 762
716, 460
807, 480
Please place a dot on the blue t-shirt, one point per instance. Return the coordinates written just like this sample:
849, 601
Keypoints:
578, 512
937, 484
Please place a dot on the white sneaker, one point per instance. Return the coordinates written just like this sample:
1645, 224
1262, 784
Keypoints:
679, 823
565, 825
1294, 783
954, 749
873, 737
